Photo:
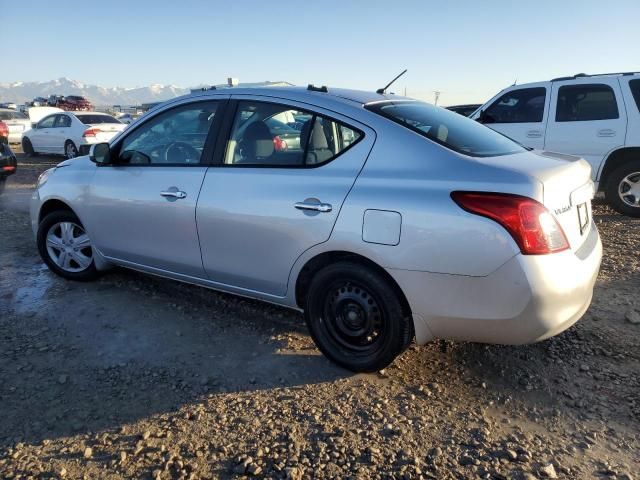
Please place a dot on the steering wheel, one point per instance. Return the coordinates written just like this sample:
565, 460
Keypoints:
181, 152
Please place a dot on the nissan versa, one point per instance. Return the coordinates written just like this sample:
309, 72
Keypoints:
382, 217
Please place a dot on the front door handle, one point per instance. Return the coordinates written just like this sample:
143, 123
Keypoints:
315, 206
173, 193
534, 134
606, 132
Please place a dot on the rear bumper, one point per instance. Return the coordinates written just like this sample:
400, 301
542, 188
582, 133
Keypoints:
15, 137
529, 298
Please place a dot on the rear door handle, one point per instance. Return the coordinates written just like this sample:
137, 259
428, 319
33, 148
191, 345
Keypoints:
606, 132
315, 206
171, 193
534, 134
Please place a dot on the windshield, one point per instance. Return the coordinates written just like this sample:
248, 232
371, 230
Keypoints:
447, 128
94, 119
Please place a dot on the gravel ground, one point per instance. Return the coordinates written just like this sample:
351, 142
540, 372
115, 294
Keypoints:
139, 377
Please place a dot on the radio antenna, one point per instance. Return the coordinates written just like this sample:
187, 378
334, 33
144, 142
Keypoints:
382, 91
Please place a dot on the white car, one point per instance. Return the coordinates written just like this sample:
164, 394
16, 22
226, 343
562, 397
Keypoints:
70, 133
596, 117
17, 122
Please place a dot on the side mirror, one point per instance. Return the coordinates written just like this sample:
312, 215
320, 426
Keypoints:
100, 153
484, 118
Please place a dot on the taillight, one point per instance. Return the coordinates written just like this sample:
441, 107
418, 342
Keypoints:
4, 129
91, 132
279, 144
530, 224
8, 168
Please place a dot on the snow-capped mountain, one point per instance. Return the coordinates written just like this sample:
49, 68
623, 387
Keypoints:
20, 92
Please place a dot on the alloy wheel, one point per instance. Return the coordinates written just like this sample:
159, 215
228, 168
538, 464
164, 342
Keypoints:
70, 150
69, 247
629, 189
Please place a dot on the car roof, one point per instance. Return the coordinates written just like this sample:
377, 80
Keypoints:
343, 95
79, 114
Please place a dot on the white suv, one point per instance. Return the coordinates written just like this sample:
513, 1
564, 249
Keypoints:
596, 117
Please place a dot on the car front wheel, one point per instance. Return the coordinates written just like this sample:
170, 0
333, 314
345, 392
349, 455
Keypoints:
356, 318
27, 148
65, 246
623, 189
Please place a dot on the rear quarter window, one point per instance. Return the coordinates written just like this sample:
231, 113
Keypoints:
447, 128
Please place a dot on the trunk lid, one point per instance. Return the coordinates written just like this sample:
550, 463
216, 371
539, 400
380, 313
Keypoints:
107, 130
567, 188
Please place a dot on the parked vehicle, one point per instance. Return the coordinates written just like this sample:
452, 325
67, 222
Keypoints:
126, 118
39, 102
53, 100
17, 122
75, 103
70, 103
464, 110
394, 219
10, 106
594, 116
8, 163
68, 133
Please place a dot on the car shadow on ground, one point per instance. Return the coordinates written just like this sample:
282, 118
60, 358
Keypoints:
83, 358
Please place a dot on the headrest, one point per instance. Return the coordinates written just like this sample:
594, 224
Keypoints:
318, 137
258, 140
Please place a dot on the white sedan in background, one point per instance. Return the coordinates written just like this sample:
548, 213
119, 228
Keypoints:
70, 133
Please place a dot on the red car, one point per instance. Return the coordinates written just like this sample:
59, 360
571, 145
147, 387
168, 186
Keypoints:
70, 103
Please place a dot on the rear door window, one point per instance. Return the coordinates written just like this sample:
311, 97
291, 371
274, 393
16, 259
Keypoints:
634, 85
447, 128
581, 103
525, 105
62, 121
275, 135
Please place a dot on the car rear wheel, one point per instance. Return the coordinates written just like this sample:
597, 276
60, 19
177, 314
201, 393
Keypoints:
27, 148
356, 318
3, 182
65, 246
70, 149
623, 189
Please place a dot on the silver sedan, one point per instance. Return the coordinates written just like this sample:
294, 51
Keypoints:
391, 220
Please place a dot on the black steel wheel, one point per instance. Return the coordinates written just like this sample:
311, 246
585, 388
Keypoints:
356, 318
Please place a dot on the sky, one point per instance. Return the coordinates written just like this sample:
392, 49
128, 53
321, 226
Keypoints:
468, 50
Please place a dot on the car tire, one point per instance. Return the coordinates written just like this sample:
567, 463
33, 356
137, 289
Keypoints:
27, 147
61, 233
623, 189
70, 149
356, 318
3, 182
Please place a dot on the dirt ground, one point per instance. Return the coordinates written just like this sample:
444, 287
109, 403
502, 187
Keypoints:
139, 377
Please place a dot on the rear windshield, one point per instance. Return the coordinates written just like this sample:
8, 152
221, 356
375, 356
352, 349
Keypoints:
94, 119
13, 116
447, 128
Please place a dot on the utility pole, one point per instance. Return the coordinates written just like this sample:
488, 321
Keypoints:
437, 95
